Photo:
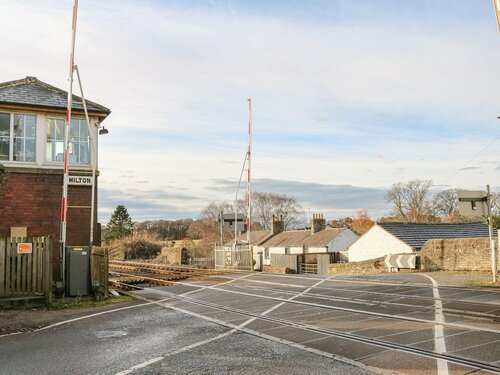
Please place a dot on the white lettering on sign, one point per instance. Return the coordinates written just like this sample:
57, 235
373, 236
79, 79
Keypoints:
80, 180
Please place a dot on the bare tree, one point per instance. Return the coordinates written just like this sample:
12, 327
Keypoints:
213, 209
265, 205
445, 203
411, 201
495, 204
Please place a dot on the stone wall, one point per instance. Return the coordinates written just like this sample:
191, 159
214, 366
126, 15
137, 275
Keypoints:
364, 267
461, 254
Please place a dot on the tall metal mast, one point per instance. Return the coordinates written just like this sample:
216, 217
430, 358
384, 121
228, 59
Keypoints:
249, 171
64, 203
93, 157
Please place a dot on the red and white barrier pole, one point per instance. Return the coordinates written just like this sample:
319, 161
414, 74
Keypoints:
64, 203
249, 171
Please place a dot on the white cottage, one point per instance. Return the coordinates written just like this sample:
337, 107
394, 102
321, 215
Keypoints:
328, 240
400, 238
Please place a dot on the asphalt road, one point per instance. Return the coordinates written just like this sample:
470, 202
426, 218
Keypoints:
116, 342
262, 323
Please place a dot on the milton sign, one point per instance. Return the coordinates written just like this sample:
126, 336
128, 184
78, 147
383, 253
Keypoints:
80, 180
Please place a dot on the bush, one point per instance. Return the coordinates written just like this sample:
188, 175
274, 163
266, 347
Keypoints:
141, 248
138, 246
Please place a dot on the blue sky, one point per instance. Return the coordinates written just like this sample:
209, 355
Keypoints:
349, 96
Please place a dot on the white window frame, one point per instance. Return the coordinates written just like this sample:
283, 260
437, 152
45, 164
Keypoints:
9, 156
59, 163
11, 137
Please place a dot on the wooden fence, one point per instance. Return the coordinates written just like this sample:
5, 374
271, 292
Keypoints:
99, 270
26, 267
289, 261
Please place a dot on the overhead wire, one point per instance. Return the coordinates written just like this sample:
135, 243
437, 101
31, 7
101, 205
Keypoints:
457, 171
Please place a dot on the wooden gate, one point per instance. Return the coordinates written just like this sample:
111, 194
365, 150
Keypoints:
26, 267
315, 263
99, 270
239, 258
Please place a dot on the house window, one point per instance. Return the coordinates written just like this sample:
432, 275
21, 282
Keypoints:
79, 141
4, 136
287, 250
55, 140
17, 137
24, 138
266, 253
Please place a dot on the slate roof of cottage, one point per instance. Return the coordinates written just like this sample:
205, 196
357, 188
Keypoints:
323, 237
292, 238
33, 92
416, 235
257, 237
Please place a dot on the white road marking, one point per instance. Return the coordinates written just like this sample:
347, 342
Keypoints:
85, 317
203, 342
114, 310
140, 365
337, 308
241, 328
185, 348
439, 341
282, 303
205, 287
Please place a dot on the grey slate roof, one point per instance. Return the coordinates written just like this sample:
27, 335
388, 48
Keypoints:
323, 237
33, 92
292, 238
416, 235
257, 237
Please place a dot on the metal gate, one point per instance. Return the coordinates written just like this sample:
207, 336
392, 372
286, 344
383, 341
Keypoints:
239, 257
315, 263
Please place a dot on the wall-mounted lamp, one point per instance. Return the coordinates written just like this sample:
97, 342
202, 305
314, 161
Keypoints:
103, 131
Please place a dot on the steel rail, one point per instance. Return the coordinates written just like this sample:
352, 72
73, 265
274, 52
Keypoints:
475, 364
493, 306
465, 313
222, 271
337, 308
166, 267
379, 283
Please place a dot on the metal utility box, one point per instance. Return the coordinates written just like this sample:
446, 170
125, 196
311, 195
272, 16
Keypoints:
78, 270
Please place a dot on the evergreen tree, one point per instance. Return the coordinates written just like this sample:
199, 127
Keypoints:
120, 225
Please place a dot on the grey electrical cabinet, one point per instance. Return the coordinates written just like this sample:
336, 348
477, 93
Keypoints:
78, 270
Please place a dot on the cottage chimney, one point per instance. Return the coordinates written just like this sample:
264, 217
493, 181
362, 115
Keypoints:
277, 225
318, 223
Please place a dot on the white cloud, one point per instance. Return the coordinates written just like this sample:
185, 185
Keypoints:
181, 76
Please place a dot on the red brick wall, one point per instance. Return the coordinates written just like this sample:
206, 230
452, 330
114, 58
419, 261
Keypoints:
33, 200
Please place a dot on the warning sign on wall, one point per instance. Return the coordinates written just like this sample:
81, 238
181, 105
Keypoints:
24, 248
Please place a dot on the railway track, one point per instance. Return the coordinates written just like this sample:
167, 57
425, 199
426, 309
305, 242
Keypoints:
364, 301
138, 272
160, 274
329, 307
468, 362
